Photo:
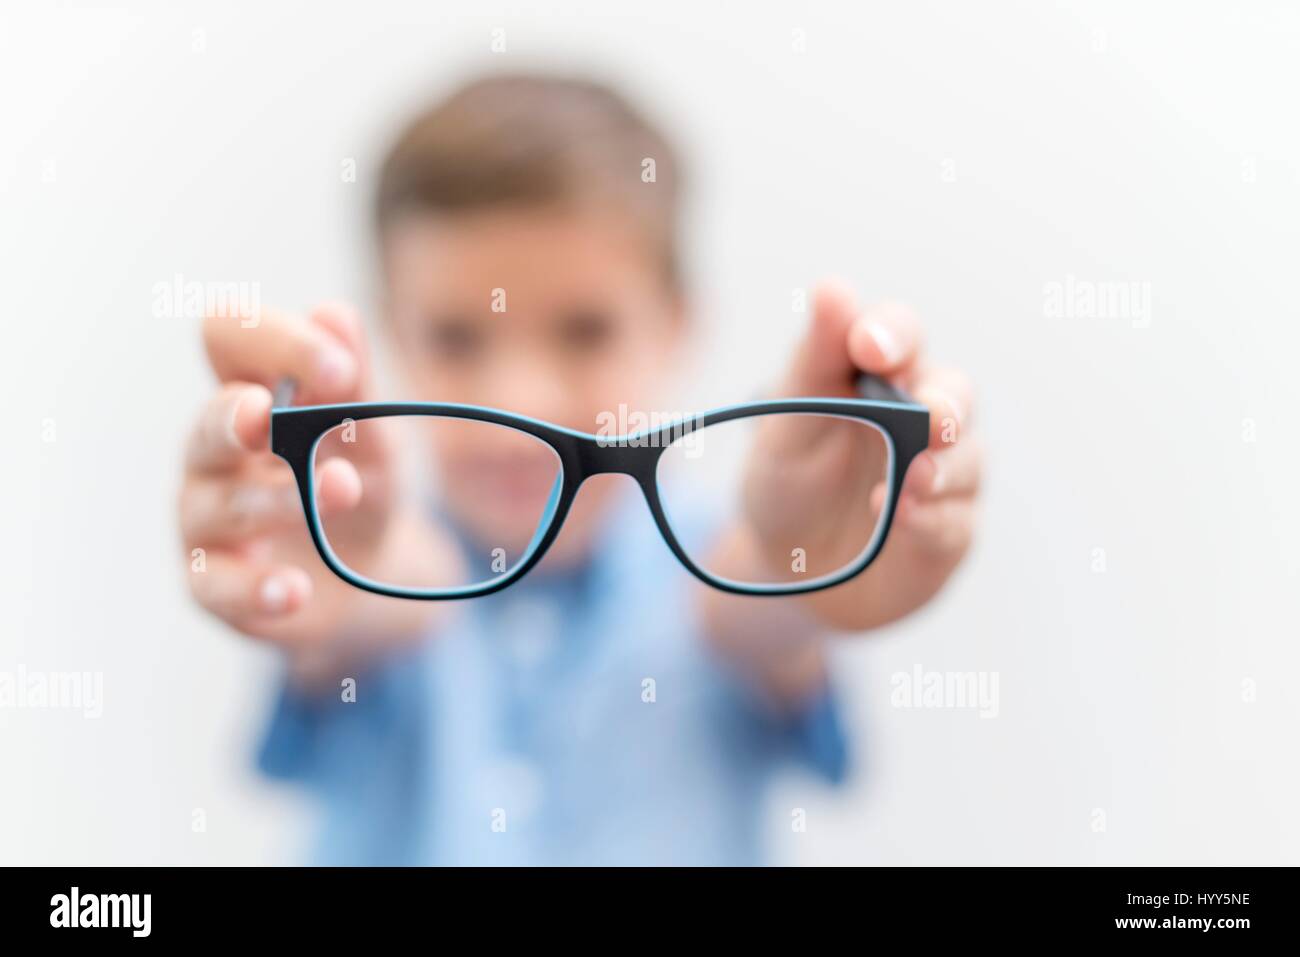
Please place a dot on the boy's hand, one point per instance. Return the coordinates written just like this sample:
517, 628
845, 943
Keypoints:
935, 514
258, 569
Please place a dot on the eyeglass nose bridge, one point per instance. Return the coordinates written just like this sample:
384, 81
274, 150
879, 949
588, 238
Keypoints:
627, 455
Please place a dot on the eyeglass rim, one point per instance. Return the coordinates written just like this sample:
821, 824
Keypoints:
297, 431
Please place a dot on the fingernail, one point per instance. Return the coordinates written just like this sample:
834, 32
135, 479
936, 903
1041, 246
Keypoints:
274, 595
335, 368
886, 342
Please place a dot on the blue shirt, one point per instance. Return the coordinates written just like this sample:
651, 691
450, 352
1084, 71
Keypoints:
575, 718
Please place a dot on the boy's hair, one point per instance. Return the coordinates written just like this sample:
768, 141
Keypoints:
535, 139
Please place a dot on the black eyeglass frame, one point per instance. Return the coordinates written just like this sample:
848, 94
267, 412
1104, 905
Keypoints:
296, 432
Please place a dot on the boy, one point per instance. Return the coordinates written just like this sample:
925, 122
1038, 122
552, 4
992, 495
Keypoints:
608, 707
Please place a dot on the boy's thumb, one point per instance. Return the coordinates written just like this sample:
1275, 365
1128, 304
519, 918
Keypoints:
344, 324
821, 364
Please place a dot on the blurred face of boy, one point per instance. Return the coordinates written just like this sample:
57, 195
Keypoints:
558, 314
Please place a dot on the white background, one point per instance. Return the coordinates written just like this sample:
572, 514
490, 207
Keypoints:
959, 156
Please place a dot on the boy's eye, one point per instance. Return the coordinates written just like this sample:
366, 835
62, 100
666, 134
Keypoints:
456, 338
586, 330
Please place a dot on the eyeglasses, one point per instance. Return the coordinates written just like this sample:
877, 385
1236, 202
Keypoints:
496, 487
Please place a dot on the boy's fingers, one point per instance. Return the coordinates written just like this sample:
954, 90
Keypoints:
950, 471
948, 395
344, 323
821, 363
276, 346
238, 589
941, 528
235, 423
221, 512
885, 339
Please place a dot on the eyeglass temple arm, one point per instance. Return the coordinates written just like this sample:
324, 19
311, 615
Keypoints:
282, 394
877, 389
